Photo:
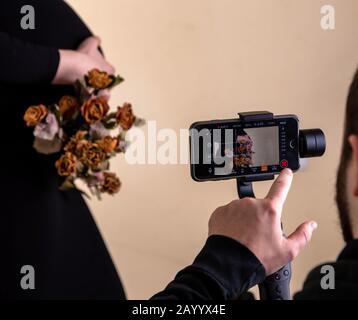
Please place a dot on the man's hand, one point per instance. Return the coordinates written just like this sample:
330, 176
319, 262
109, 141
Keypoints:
256, 223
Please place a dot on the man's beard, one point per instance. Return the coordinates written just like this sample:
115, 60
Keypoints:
342, 201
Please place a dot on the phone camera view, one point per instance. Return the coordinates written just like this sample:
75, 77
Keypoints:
231, 148
252, 147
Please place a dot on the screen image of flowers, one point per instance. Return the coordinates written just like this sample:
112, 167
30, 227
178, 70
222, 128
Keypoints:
85, 133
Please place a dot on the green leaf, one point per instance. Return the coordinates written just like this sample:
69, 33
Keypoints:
68, 184
139, 122
103, 166
117, 80
110, 116
82, 91
75, 114
98, 193
95, 135
111, 124
54, 108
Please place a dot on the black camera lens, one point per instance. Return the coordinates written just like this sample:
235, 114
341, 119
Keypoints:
312, 143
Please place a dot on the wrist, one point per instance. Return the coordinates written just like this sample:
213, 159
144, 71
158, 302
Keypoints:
69, 69
231, 263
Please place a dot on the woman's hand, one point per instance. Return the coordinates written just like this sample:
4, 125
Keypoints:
74, 64
90, 48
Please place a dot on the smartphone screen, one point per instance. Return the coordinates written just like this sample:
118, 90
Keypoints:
224, 149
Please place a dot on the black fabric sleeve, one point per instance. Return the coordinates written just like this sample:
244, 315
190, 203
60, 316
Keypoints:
223, 270
26, 63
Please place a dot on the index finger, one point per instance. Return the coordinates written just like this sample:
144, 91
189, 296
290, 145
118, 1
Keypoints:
280, 188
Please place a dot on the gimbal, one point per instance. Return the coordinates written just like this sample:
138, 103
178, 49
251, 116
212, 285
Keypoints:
311, 144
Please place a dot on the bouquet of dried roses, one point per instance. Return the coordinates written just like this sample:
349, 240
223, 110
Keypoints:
85, 132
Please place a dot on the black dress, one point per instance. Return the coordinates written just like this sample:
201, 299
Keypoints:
52, 231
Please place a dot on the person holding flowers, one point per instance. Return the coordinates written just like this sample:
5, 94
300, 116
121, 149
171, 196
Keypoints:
55, 84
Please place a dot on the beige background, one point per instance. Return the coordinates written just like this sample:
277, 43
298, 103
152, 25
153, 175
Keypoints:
188, 60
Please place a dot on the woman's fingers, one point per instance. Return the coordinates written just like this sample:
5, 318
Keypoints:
89, 45
75, 64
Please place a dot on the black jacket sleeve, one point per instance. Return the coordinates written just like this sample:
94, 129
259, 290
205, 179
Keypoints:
26, 63
223, 270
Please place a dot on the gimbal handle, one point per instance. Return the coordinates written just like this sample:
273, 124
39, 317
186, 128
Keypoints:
277, 285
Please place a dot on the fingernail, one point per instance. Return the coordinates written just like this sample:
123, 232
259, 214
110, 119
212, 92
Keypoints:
287, 171
314, 225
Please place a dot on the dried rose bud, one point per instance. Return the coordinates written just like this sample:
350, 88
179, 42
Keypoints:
68, 106
94, 110
90, 154
108, 144
66, 165
35, 114
71, 146
111, 184
125, 117
74, 143
99, 80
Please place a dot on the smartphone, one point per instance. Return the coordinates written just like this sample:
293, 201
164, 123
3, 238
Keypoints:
226, 149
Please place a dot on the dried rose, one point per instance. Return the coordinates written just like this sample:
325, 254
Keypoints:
99, 80
79, 148
74, 142
108, 144
71, 146
94, 110
35, 114
68, 106
66, 165
90, 154
111, 183
125, 117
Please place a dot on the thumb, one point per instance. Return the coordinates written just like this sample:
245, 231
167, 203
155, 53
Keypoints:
300, 238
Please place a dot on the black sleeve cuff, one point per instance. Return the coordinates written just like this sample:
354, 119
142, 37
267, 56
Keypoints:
231, 264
